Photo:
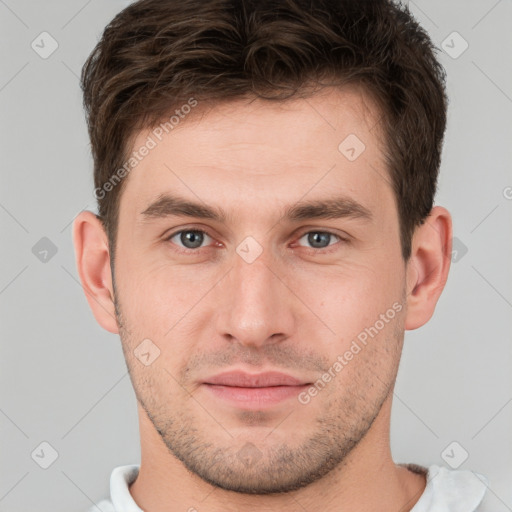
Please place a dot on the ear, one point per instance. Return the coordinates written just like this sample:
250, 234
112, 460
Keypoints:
428, 266
93, 264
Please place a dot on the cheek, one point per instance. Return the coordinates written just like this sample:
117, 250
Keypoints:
350, 295
172, 309
161, 292
362, 308
347, 296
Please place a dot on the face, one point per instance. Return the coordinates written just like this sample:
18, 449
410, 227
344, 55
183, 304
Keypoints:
262, 278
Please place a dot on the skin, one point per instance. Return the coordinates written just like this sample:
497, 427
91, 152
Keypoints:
294, 309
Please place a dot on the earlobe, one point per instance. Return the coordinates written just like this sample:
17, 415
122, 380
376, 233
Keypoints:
428, 266
93, 265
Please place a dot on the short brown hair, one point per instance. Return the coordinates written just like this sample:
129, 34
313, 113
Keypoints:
156, 55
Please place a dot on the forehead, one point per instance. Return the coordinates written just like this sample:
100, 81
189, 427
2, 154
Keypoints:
264, 150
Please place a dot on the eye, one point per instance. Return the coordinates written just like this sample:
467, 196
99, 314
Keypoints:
320, 239
189, 239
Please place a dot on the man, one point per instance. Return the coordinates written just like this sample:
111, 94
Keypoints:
265, 175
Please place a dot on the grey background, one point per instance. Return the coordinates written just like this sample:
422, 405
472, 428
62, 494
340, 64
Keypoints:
63, 379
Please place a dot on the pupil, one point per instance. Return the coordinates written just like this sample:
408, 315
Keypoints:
191, 239
316, 238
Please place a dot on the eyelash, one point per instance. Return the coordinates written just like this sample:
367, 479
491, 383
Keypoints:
324, 250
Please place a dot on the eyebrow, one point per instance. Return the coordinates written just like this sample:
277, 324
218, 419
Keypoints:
167, 205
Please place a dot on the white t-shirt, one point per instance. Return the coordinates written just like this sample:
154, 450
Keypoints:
447, 490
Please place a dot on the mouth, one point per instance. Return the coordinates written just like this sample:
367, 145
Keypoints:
254, 390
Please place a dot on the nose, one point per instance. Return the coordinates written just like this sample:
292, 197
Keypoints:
257, 306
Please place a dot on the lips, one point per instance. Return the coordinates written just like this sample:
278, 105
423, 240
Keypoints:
261, 380
253, 391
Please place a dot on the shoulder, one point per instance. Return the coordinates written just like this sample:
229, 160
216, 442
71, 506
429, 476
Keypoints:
485, 505
102, 506
120, 499
450, 489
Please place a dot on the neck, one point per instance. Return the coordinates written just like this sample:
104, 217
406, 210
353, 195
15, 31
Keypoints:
367, 480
